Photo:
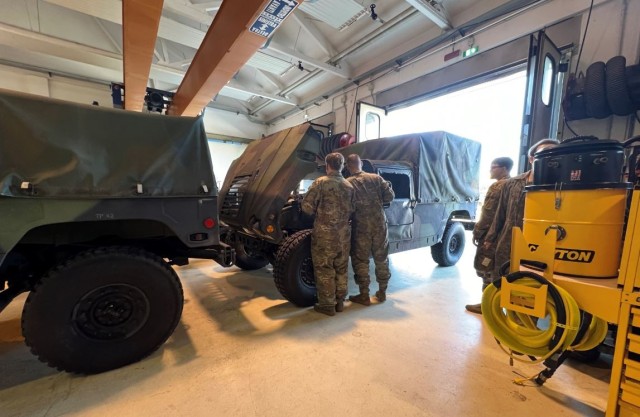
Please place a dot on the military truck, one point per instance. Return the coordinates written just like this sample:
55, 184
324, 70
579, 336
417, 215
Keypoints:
434, 177
96, 204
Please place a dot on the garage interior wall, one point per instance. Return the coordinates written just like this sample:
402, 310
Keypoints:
222, 155
79, 91
613, 22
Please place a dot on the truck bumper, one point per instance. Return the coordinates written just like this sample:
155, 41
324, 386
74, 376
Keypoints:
222, 253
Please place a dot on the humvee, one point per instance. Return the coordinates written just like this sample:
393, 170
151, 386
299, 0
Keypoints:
434, 177
96, 204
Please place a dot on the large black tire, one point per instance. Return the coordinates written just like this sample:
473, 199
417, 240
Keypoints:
632, 75
293, 271
449, 250
248, 261
617, 92
103, 309
595, 93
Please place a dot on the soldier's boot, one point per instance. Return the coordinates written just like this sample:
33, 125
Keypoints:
474, 308
340, 305
381, 294
328, 310
362, 298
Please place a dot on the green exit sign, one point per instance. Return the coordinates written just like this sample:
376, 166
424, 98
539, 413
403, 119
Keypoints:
471, 51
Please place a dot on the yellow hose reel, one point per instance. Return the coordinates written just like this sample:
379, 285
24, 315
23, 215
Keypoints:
538, 321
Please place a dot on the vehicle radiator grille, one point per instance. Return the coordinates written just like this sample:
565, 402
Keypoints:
233, 198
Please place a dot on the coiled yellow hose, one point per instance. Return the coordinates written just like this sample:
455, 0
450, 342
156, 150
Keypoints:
520, 332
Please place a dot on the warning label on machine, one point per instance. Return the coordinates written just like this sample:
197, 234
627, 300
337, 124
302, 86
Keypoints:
271, 17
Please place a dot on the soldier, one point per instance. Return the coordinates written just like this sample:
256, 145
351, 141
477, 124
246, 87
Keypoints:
510, 211
330, 200
483, 261
372, 192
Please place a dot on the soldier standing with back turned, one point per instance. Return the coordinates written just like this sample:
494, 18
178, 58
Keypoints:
372, 192
330, 200
483, 261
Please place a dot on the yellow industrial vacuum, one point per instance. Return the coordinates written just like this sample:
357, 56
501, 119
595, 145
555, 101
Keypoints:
574, 267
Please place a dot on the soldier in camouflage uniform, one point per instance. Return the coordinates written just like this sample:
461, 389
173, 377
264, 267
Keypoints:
330, 200
483, 261
510, 211
369, 238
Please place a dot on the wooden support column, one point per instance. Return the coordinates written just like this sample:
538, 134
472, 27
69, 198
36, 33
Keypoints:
140, 21
227, 46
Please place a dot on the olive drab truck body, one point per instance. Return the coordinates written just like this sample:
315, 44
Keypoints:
435, 177
95, 205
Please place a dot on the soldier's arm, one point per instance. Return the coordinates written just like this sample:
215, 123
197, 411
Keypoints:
353, 204
488, 212
387, 192
499, 217
310, 201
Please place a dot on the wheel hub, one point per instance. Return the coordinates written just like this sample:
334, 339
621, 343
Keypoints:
111, 312
453, 244
306, 272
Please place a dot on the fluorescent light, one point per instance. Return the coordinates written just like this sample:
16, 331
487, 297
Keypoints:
433, 11
335, 13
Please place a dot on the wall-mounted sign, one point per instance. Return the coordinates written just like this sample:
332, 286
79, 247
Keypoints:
471, 51
271, 17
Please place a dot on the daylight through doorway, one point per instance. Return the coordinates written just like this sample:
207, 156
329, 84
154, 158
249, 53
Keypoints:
490, 113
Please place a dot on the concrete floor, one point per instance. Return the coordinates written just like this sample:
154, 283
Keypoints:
240, 350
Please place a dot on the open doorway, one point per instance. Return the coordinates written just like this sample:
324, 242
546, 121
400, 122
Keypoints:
490, 113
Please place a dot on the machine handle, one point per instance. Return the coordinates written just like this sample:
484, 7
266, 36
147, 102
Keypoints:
561, 232
631, 140
580, 139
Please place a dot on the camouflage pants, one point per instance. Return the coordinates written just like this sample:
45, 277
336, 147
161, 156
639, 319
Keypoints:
363, 245
483, 263
330, 255
503, 254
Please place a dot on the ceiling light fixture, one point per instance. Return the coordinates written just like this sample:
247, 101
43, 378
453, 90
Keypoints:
433, 10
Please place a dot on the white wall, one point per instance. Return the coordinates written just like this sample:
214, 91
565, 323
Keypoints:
232, 124
41, 83
222, 155
613, 30
25, 81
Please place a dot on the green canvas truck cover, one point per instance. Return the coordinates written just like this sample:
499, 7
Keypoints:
259, 182
447, 165
67, 150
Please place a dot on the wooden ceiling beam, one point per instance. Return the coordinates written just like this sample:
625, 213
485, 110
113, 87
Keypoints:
140, 21
227, 46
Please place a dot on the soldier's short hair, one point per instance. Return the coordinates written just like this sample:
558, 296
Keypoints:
503, 161
354, 161
534, 148
335, 161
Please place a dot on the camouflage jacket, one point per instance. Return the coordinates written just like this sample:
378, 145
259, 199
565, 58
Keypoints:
509, 214
489, 207
331, 200
371, 193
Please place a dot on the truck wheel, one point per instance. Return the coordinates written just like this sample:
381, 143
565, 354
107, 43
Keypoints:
449, 250
247, 260
293, 271
103, 309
